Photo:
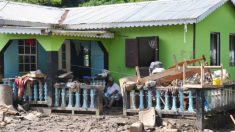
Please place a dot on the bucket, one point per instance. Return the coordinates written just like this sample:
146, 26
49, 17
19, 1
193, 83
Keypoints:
216, 82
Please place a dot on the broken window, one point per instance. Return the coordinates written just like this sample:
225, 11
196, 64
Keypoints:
232, 49
27, 50
142, 51
215, 49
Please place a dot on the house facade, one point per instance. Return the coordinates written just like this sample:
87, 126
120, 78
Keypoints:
86, 40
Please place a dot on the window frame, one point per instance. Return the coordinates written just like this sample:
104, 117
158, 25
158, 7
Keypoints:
133, 53
217, 49
231, 55
29, 55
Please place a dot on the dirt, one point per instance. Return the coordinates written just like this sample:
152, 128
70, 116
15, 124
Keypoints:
111, 121
72, 123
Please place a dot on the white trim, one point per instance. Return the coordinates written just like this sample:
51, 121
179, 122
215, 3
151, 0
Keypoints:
23, 30
89, 34
68, 55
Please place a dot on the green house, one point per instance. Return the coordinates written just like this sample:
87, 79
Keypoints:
86, 40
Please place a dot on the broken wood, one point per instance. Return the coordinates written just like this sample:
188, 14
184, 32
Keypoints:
172, 73
188, 62
3, 116
232, 118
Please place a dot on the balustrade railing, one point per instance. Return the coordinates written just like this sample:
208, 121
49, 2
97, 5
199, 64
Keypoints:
34, 90
178, 101
79, 96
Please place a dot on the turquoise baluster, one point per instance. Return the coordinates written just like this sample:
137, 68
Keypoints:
206, 104
190, 106
181, 93
56, 97
150, 98
70, 105
92, 94
35, 91
63, 97
158, 99
77, 105
40, 91
15, 91
141, 106
174, 108
45, 91
166, 107
132, 95
84, 105
30, 91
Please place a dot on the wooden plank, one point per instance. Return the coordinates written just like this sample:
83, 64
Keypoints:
188, 62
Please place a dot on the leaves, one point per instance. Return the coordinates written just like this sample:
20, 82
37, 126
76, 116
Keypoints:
75, 3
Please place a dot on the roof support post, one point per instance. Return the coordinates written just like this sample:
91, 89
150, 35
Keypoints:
52, 64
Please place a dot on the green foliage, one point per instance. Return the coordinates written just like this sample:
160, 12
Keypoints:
106, 2
42, 2
74, 3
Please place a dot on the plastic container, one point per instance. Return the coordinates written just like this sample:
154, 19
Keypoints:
216, 82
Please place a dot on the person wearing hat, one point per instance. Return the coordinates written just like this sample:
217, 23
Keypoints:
112, 93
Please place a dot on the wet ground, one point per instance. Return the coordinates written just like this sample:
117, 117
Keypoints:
111, 121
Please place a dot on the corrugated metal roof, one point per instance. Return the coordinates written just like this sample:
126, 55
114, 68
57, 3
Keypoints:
151, 13
23, 30
58, 32
14, 13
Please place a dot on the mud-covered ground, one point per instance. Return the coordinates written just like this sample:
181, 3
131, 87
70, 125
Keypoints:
111, 121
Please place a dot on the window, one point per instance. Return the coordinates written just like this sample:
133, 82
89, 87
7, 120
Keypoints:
63, 56
215, 49
27, 55
232, 49
142, 51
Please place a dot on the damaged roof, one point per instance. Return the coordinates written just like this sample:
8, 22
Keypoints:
13, 13
140, 14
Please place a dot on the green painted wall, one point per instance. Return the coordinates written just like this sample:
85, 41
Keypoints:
171, 42
48, 42
223, 21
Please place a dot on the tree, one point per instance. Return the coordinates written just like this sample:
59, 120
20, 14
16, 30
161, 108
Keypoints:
75, 3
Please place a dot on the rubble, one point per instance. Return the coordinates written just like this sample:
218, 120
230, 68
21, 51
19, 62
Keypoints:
148, 117
137, 127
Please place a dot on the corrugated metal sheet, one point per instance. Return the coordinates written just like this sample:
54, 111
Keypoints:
46, 31
29, 13
23, 30
152, 13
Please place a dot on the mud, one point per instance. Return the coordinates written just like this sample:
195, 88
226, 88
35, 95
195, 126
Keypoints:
71, 123
111, 121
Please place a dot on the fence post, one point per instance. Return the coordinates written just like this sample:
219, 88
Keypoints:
200, 98
181, 93
150, 98
190, 107
158, 97
141, 106
84, 105
132, 95
77, 105
166, 107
